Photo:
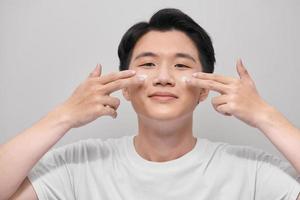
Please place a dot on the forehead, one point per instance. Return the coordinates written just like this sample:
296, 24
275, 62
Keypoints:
166, 43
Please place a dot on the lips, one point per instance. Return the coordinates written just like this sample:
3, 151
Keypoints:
163, 96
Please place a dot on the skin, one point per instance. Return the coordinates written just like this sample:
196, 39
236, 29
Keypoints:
239, 98
164, 127
169, 136
89, 101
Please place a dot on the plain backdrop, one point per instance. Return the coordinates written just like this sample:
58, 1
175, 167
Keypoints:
47, 48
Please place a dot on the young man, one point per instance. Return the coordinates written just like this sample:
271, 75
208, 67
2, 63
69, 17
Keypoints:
165, 82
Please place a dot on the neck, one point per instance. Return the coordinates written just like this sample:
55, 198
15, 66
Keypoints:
164, 140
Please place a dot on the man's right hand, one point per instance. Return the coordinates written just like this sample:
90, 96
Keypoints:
92, 99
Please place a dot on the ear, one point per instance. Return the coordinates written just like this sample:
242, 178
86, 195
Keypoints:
203, 94
126, 94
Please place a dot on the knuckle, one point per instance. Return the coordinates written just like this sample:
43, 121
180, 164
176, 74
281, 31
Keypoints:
93, 88
97, 98
114, 75
109, 110
118, 83
227, 89
100, 89
110, 75
210, 84
88, 86
89, 82
99, 109
232, 106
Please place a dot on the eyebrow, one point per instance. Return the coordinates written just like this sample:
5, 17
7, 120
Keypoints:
177, 55
185, 55
145, 54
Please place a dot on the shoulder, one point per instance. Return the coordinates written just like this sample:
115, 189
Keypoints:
240, 151
87, 149
248, 155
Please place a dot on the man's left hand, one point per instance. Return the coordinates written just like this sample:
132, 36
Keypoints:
239, 96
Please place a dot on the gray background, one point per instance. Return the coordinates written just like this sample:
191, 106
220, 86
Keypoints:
47, 48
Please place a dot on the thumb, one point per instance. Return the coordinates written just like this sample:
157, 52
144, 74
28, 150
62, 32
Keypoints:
242, 71
97, 71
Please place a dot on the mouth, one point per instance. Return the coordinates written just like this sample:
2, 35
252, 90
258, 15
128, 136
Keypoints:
163, 96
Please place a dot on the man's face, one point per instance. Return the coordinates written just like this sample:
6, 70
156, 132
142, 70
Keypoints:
165, 59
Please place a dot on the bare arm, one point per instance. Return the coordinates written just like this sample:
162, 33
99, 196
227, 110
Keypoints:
239, 98
282, 134
25, 192
20, 154
88, 102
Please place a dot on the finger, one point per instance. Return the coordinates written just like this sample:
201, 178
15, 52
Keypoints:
242, 71
123, 83
214, 77
223, 109
107, 110
96, 72
116, 76
112, 102
208, 84
219, 100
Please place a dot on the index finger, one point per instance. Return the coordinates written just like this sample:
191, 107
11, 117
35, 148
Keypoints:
208, 84
123, 83
116, 76
214, 77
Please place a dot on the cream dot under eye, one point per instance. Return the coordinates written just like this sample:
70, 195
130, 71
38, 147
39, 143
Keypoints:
142, 77
184, 79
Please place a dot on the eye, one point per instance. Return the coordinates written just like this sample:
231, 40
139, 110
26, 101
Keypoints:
148, 64
181, 66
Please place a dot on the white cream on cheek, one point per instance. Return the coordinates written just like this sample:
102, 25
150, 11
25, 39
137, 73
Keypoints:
142, 77
184, 79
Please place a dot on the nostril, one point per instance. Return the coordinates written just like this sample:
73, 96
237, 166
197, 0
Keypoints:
164, 80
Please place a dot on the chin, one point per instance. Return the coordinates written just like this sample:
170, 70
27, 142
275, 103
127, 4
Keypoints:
165, 114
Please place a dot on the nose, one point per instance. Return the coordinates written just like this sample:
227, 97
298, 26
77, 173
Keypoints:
164, 77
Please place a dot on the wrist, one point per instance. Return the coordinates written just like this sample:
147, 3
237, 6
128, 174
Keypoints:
269, 117
59, 118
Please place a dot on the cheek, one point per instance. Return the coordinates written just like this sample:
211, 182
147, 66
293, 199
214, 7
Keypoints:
191, 93
133, 90
142, 75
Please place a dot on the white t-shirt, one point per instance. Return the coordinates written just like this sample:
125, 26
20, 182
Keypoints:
111, 169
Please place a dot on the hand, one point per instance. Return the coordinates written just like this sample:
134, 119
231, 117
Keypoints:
92, 99
239, 96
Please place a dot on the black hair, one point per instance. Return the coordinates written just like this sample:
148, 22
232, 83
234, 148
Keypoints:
165, 20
